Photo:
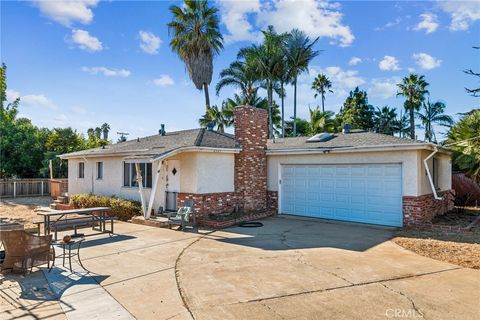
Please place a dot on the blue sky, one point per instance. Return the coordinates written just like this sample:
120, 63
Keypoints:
84, 63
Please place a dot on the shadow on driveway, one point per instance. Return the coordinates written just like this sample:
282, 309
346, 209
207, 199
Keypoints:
287, 232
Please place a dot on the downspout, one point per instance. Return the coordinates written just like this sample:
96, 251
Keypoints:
435, 195
91, 176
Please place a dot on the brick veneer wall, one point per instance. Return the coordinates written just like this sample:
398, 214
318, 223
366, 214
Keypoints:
251, 132
272, 201
422, 209
210, 203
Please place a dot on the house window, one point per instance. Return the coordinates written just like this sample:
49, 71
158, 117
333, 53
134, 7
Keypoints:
130, 174
435, 173
99, 170
81, 170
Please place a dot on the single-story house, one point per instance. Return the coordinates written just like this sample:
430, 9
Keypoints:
352, 176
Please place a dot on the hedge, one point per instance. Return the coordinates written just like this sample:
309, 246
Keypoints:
123, 209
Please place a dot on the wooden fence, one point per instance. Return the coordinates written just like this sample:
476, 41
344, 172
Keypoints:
12, 188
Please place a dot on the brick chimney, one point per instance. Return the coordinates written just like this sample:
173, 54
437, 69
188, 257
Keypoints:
251, 132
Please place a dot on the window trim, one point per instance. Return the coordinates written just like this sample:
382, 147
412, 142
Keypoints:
81, 164
98, 171
145, 175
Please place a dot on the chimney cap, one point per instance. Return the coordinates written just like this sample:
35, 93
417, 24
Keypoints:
346, 128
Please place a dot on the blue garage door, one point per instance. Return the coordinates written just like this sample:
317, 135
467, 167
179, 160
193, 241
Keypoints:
369, 193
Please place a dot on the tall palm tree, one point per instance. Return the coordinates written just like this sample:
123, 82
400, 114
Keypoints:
241, 75
221, 118
320, 121
385, 120
196, 40
105, 128
322, 85
299, 52
414, 89
433, 113
266, 60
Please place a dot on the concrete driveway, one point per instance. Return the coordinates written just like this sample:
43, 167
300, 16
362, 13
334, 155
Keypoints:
289, 268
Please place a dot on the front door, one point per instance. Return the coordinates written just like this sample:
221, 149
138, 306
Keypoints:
173, 184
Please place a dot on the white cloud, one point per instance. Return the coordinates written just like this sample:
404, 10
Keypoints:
60, 118
149, 42
389, 63
31, 100
107, 72
411, 70
463, 13
354, 61
426, 61
12, 95
234, 15
429, 23
342, 80
67, 12
85, 41
316, 18
163, 81
384, 88
78, 110
389, 24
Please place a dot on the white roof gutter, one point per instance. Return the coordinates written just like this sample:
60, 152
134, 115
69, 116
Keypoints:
196, 149
429, 175
387, 147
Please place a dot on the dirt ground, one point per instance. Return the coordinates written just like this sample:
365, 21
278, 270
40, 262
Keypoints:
459, 248
22, 210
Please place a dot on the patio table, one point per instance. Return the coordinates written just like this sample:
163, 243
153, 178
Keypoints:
60, 214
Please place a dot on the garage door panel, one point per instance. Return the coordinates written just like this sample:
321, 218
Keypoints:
362, 193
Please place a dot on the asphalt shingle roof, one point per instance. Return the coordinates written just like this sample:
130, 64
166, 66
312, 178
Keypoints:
157, 145
339, 140
153, 146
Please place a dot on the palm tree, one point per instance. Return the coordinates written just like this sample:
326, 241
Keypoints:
266, 60
322, 85
464, 140
385, 120
413, 88
320, 121
196, 40
433, 113
105, 128
299, 52
241, 75
222, 118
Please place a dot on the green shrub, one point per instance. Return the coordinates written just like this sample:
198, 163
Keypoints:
123, 209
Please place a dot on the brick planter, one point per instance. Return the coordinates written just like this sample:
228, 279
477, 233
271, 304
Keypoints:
210, 203
422, 209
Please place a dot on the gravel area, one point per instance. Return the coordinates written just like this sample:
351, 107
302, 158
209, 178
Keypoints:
22, 210
460, 249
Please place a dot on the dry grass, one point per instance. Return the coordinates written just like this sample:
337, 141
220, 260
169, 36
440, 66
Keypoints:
22, 209
459, 249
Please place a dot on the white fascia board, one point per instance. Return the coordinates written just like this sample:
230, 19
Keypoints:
196, 149
390, 147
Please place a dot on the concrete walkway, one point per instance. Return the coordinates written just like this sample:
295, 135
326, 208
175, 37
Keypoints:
290, 268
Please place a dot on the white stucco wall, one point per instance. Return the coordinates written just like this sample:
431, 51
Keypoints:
412, 170
444, 162
110, 185
206, 172
199, 173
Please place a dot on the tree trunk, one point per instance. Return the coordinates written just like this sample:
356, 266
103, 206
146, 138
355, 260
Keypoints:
283, 112
412, 122
295, 107
207, 96
323, 102
270, 99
